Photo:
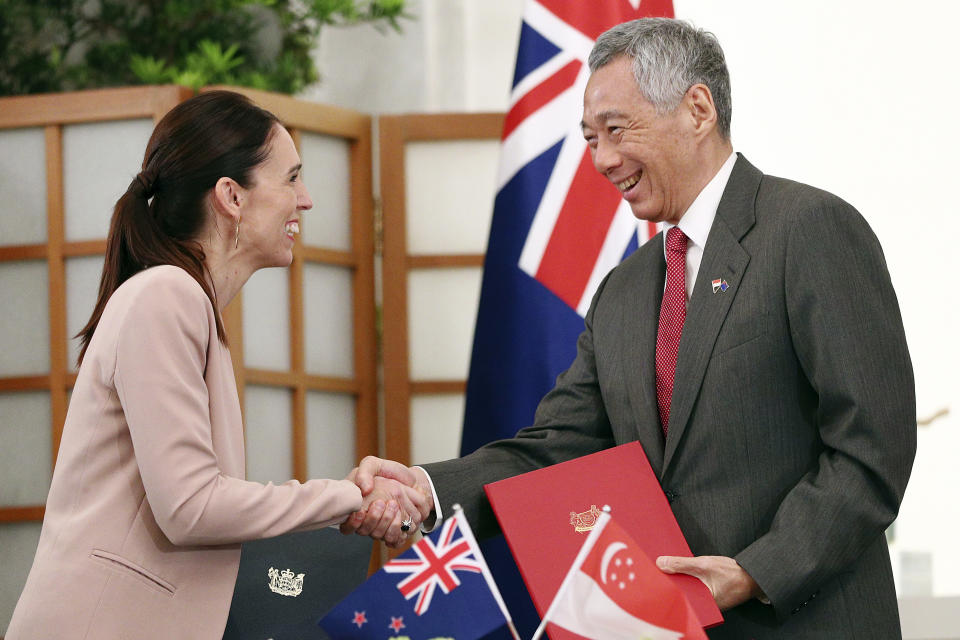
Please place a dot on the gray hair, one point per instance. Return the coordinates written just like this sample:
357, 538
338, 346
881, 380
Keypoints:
669, 56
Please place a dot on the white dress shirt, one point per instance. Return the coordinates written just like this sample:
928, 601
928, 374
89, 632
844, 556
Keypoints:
697, 220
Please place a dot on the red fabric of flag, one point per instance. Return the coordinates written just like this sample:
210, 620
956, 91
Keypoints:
618, 592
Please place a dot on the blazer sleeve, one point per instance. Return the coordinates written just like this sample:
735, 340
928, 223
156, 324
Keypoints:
571, 421
848, 336
161, 357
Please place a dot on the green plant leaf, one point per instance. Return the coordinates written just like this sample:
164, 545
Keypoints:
189, 78
149, 70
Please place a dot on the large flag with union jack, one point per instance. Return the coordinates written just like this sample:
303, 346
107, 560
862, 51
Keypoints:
439, 588
558, 227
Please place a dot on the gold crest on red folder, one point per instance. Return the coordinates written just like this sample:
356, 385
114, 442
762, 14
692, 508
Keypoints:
585, 521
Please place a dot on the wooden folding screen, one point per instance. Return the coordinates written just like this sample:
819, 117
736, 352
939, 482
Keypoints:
473, 171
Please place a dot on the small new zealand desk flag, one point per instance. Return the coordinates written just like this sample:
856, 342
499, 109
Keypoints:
439, 588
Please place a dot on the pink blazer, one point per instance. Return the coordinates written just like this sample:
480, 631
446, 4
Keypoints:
148, 505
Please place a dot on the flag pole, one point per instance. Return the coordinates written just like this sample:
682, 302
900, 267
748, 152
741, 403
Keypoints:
581, 556
468, 533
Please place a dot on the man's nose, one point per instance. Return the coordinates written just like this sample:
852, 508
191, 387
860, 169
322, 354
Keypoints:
605, 157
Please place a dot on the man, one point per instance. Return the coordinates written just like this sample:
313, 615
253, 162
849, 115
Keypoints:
755, 349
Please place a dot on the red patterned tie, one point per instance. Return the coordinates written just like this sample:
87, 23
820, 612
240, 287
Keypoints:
673, 311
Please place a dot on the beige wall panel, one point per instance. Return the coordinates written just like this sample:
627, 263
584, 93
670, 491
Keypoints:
99, 161
23, 185
435, 425
83, 282
326, 174
328, 320
442, 311
18, 544
25, 454
24, 323
268, 419
331, 421
450, 191
266, 320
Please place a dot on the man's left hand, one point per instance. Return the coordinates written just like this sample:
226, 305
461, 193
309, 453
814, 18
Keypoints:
727, 581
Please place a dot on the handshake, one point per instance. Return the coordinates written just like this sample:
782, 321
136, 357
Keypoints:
396, 500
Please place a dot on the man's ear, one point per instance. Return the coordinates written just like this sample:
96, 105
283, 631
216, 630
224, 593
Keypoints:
227, 197
698, 102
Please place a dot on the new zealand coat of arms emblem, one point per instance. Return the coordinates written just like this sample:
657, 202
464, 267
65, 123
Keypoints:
284, 582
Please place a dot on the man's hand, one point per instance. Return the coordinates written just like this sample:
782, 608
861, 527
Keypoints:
727, 581
372, 466
374, 519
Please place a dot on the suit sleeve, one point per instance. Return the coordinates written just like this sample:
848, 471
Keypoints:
571, 421
848, 336
159, 376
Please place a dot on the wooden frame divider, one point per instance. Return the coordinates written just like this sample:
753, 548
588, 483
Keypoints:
395, 133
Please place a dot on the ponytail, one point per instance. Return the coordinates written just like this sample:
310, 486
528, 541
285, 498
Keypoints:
136, 242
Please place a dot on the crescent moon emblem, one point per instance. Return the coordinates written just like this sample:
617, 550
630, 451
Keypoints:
607, 556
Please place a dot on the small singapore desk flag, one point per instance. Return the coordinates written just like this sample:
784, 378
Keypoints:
614, 591
439, 588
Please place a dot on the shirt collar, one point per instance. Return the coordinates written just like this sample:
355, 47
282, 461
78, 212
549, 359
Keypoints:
697, 220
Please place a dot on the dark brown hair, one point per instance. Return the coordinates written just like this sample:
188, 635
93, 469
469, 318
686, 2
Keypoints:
210, 136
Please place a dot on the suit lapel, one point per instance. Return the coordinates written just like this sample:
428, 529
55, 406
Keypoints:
639, 328
723, 258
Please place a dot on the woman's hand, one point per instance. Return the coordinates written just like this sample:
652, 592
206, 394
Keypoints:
387, 507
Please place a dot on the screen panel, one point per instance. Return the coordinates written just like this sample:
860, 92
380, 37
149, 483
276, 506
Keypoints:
442, 313
331, 424
326, 174
266, 320
268, 433
18, 545
436, 422
450, 190
99, 161
25, 468
328, 320
24, 319
23, 183
82, 283
437, 182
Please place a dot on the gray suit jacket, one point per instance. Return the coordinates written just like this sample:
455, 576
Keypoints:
792, 429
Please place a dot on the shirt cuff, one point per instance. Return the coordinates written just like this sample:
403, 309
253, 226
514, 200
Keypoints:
427, 527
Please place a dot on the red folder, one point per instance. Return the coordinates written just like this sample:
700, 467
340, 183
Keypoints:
546, 515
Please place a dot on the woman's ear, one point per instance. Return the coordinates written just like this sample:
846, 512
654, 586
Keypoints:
227, 197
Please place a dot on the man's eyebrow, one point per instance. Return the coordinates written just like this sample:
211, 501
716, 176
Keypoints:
603, 116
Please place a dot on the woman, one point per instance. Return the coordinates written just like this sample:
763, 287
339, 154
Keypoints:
148, 506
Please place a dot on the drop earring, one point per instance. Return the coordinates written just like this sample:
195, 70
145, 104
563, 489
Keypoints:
236, 237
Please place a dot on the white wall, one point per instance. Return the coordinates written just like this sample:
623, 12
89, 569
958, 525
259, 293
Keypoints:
455, 55
853, 96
